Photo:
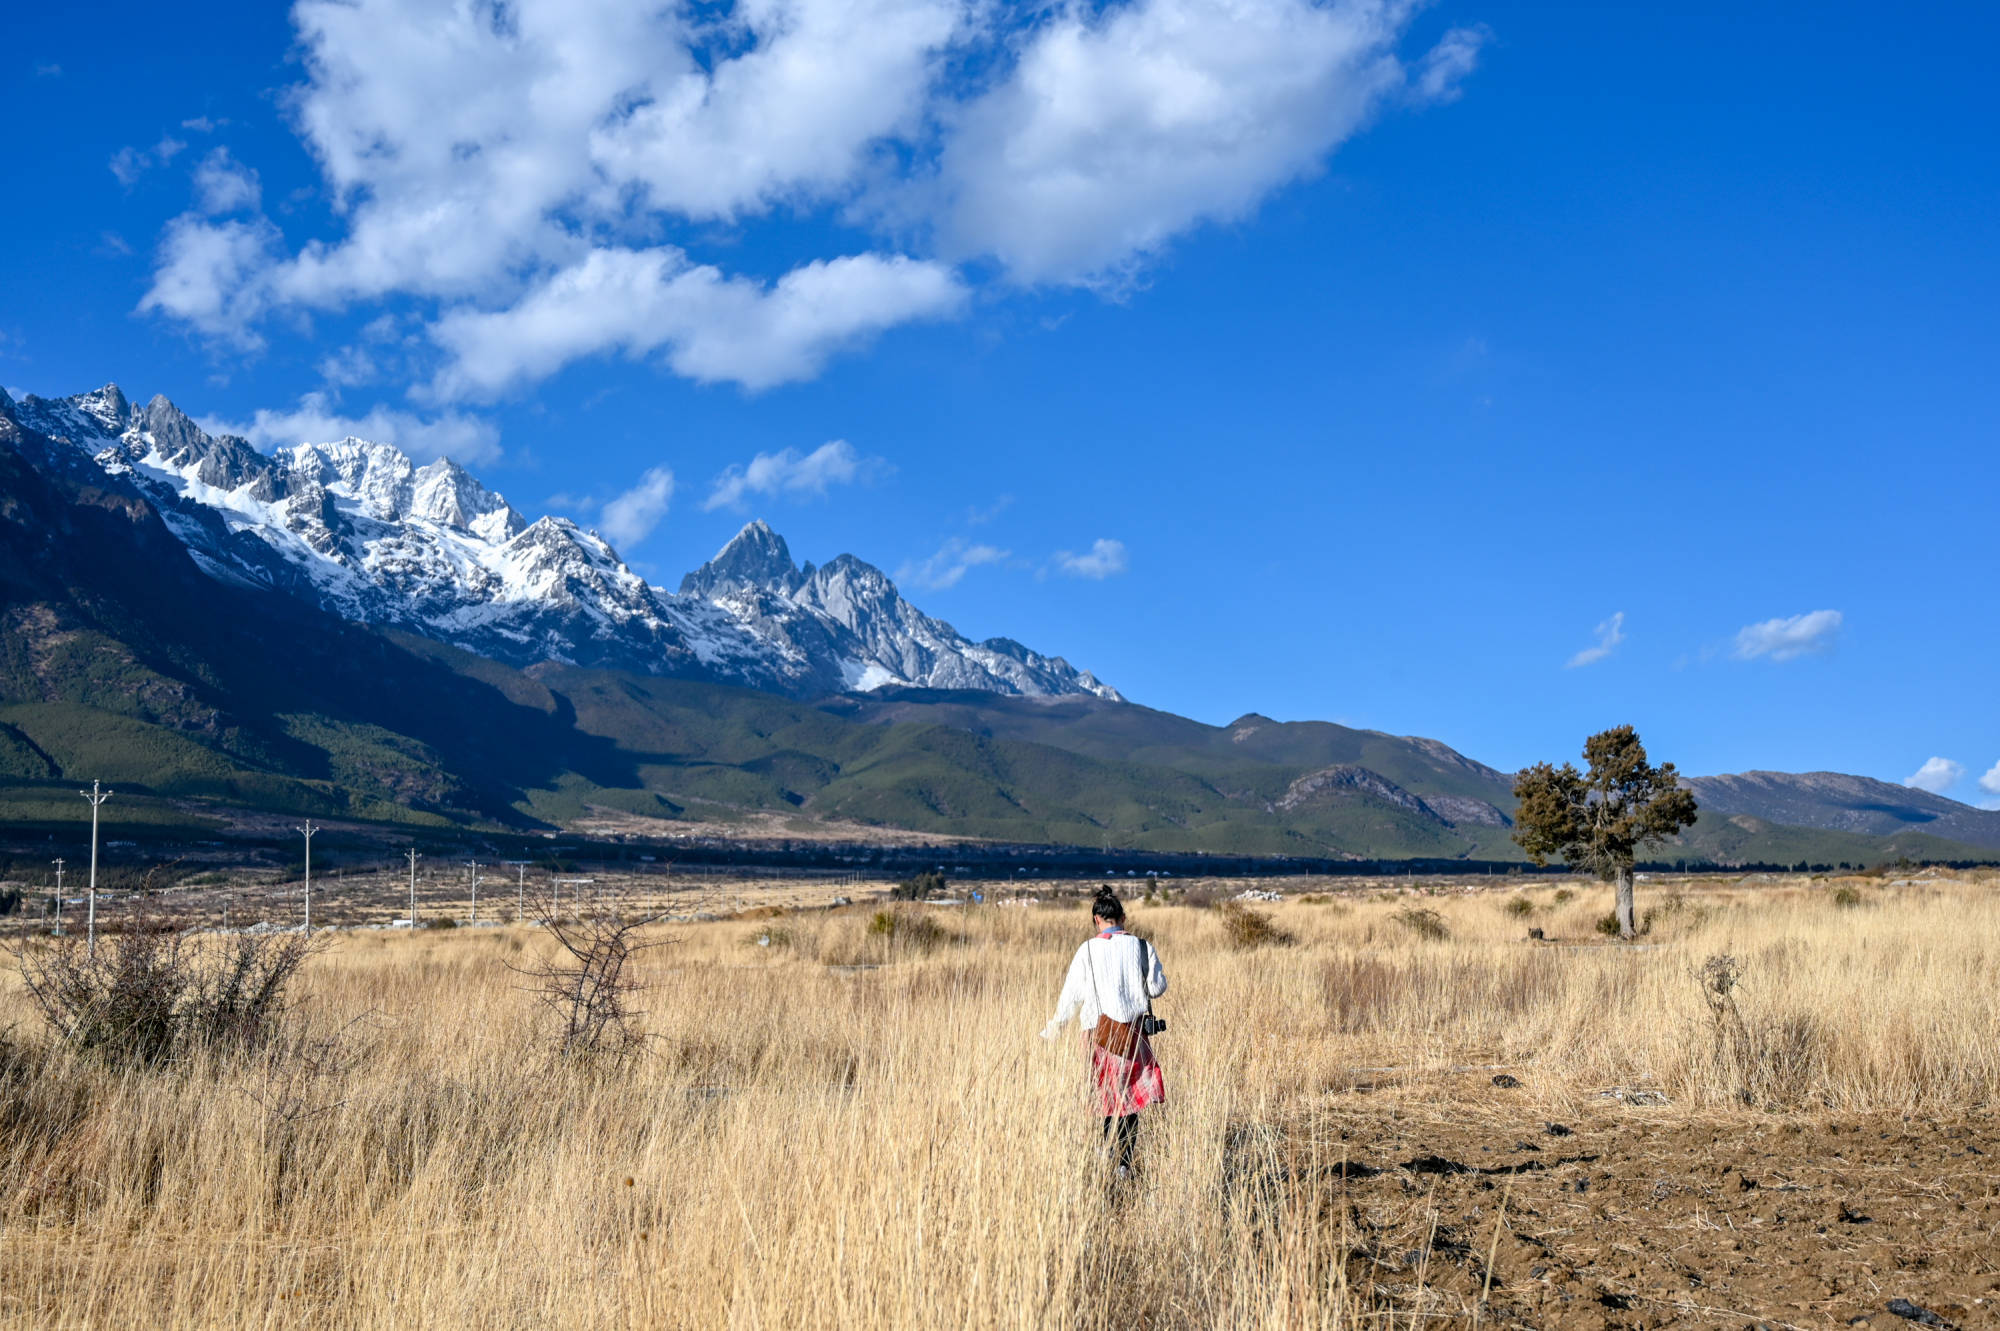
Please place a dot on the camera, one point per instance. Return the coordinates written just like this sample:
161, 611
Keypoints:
1151, 1025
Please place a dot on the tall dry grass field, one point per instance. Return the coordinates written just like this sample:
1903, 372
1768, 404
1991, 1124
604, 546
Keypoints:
807, 1143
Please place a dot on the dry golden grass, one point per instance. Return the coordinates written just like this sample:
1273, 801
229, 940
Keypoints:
846, 1127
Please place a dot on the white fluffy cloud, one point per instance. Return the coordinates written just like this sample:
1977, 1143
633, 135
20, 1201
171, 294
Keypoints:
1609, 634
789, 472
1937, 775
315, 420
1120, 128
709, 326
953, 560
1990, 783
224, 185
531, 175
1788, 639
1102, 560
208, 275
631, 517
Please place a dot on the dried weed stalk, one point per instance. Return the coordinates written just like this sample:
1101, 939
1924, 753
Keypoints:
587, 984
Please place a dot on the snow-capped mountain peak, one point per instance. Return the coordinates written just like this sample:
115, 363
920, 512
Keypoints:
358, 528
755, 557
446, 493
877, 637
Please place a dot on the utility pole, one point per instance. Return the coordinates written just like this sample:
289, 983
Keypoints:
475, 890
308, 830
577, 883
414, 857
520, 891
59, 874
96, 798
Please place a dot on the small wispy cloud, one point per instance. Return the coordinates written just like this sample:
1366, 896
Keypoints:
1104, 559
1990, 783
1449, 63
1937, 776
224, 185
203, 124
50, 70
790, 472
978, 516
631, 517
953, 560
129, 163
1609, 634
1788, 639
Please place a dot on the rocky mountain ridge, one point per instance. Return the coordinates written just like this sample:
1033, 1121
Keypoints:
360, 530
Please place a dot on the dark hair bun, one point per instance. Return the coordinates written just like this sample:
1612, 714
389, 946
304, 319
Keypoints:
1106, 906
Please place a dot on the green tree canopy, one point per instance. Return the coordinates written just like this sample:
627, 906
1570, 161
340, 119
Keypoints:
1601, 818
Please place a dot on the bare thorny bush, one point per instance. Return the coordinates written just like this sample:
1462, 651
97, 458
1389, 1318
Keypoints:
587, 984
156, 990
1774, 1063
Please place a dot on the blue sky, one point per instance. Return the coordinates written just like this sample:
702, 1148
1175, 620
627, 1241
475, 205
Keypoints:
1484, 371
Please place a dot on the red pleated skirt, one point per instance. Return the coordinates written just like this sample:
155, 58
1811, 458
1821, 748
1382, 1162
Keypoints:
1122, 1086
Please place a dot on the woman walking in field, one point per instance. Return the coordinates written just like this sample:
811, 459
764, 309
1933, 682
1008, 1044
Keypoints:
1111, 983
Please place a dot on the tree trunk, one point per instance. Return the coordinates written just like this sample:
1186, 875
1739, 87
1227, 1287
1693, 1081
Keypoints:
1627, 924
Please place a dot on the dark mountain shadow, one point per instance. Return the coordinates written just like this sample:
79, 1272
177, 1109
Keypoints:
104, 607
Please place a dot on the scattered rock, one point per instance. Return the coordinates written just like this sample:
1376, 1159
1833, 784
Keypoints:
1557, 1130
1535, 935
1903, 1308
1435, 1164
1505, 1081
1633, 1096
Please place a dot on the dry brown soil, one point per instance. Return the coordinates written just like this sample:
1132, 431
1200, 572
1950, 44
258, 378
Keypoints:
1616, 1216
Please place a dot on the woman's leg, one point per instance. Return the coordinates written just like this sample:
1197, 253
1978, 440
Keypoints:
1128, 1139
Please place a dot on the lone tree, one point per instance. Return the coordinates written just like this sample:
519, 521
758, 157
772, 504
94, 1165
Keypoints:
1598, 820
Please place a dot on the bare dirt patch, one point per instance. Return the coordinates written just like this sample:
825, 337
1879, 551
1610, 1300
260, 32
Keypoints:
1643, 1219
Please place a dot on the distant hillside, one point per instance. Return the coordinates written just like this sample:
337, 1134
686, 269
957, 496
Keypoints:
1856, 805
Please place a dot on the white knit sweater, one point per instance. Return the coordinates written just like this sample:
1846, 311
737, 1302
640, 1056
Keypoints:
1104, 980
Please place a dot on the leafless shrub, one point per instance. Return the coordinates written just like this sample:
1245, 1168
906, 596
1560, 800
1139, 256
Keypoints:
1718, 978
1423, 922
1246, 928
156, 990
586, 984
1519, 906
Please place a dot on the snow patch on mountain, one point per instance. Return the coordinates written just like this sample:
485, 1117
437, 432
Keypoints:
361, 530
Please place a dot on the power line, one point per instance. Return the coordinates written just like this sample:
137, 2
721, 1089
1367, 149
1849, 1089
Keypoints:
521, 891
414, 857
308, 830
96, 799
